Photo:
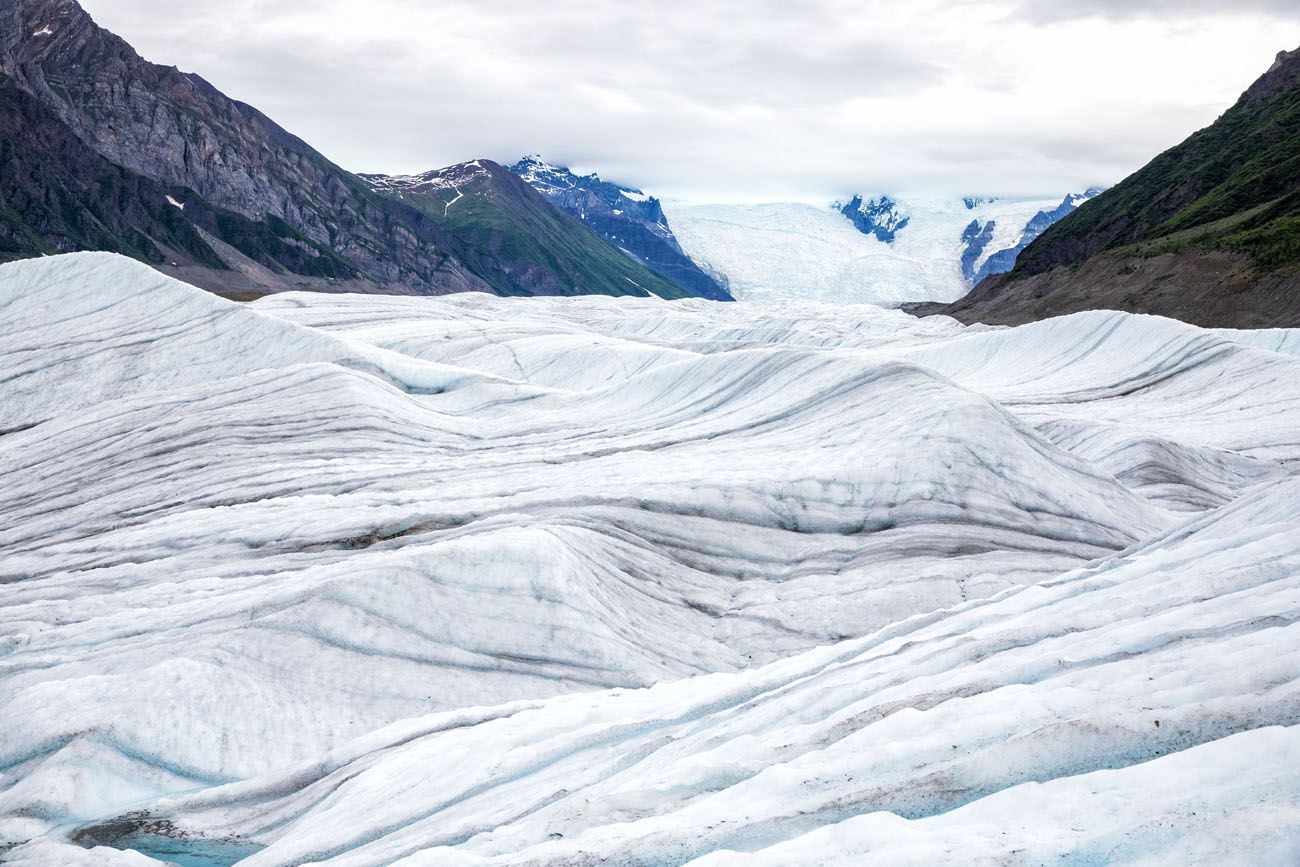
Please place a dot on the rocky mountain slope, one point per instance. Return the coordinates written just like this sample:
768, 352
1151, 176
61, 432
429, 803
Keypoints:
268, 211
519, 242
626, 217
880, 217
103, 150
1208, 232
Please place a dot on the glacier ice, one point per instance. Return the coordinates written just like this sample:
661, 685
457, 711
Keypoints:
473, 580
790, 251
909, 737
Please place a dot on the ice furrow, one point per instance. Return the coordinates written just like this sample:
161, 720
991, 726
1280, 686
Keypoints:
830, 560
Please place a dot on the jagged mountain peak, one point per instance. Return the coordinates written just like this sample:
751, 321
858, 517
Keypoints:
627, 217
434, 178
1283, 58
881, 216
1283, 74
543, 175
552, 177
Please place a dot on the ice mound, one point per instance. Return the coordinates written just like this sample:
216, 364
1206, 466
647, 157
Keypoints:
1170, 676
306, 555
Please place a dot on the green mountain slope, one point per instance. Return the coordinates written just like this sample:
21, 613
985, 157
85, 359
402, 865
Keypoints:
517, 241
1235, 185
1208, 231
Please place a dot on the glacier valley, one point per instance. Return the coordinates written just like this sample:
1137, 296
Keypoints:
373, 580
879, 251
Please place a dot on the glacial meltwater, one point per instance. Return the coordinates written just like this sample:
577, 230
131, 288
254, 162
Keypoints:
181, 852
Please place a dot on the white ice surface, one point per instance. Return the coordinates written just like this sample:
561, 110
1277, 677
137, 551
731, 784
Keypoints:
923, 743
798, 252
236, 539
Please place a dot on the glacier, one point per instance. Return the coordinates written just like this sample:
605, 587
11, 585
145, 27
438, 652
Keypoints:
795, 251
369, 580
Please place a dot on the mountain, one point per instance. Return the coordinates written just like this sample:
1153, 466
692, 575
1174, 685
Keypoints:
880, 217
882, 249
1003, 260
982, 251
1207, 232
626, 217
121, 134
102, 150
518, 241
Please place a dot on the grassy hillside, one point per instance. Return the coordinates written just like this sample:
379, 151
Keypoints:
519, 243
1233, 186
1207, 232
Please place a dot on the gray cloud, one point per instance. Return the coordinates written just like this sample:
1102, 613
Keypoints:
714, 99
1168, 10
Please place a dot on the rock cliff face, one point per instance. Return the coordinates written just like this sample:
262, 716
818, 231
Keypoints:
627, 218
975, 239
272, 200
1207, 232
49, 181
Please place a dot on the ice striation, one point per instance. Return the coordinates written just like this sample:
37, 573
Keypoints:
469, 580
1089, 719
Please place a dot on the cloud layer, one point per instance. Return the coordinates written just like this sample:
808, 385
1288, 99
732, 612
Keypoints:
722, 100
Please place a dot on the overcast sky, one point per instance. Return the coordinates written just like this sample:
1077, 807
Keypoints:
747, 99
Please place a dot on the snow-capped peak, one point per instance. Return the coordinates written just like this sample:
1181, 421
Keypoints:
627, 217
449, 176
543, 176
880, 216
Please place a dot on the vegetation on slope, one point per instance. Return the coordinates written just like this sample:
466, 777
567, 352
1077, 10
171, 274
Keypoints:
518, 242
1233, 186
